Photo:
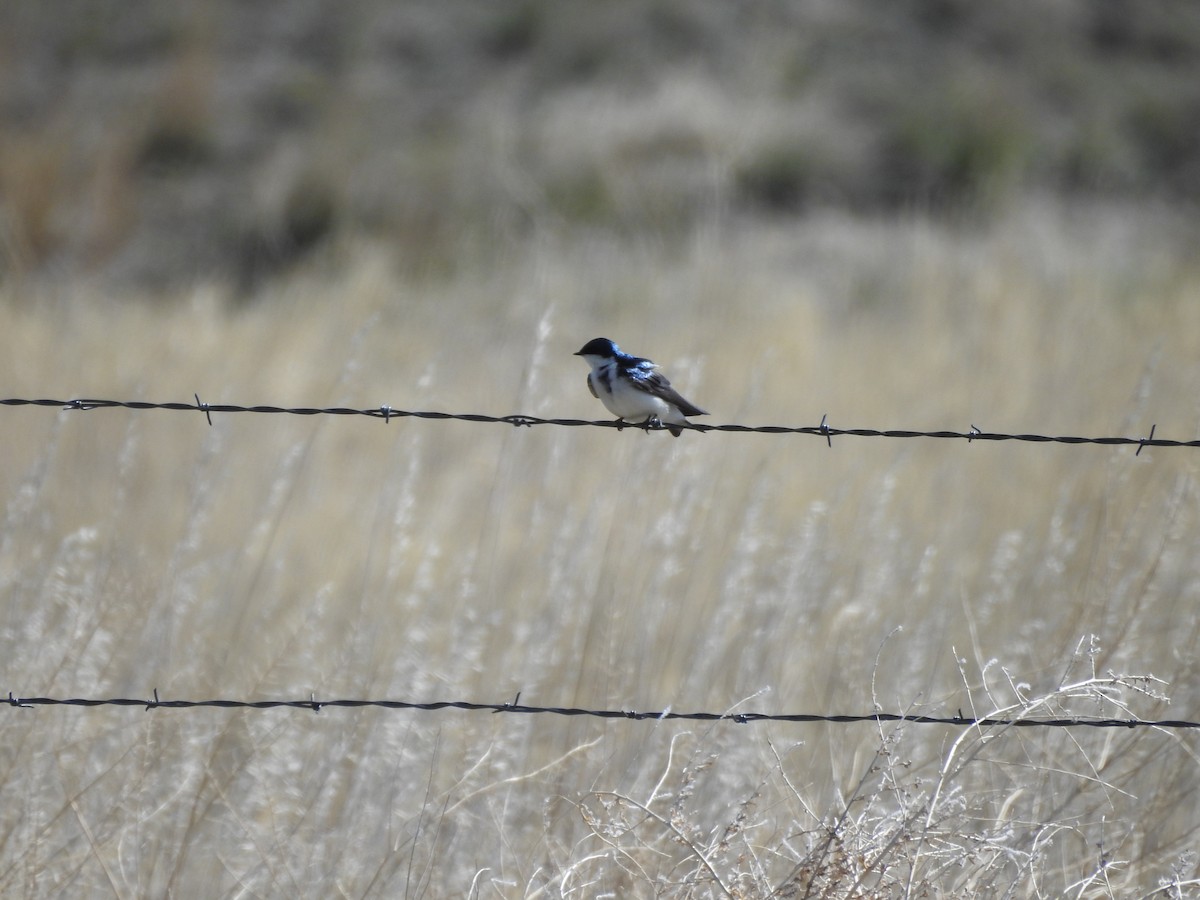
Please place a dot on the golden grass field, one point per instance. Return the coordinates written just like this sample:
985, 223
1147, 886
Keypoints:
267, 557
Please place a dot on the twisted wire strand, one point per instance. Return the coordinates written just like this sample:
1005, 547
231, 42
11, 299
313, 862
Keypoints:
515, 707
387, 413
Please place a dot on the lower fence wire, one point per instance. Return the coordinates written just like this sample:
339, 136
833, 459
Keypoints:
314, 705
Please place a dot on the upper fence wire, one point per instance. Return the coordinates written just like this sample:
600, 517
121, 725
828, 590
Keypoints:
387, 413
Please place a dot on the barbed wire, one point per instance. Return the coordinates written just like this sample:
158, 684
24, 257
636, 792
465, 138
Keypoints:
387, 413
516, 707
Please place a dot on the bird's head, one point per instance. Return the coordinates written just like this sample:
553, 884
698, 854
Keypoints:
598, 349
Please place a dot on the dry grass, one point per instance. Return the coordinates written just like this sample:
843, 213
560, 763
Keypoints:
272, 556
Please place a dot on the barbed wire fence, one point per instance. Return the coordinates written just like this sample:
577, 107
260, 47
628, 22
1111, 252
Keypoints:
517, 708
388, 413
823, 430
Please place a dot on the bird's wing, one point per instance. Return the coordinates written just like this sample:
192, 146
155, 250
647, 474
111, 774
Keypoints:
592, 387
653, 382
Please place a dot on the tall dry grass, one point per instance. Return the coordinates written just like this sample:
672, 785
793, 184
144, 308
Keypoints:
270, 557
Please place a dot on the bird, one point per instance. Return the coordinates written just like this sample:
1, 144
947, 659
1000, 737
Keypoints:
633, 388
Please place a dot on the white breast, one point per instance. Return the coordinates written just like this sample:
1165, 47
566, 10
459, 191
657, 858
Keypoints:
628, 402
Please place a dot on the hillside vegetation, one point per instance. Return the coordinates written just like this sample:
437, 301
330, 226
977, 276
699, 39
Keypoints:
156, 144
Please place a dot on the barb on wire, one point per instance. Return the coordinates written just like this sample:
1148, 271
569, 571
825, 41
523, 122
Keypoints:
203, 407
1142, 443
312, 704
387, 413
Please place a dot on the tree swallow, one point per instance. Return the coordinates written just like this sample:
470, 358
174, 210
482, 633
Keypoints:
633, 389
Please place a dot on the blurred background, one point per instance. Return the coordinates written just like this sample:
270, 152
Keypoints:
924, 214
151, 145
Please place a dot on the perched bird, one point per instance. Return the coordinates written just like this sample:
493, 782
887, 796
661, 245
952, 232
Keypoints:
633, 389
